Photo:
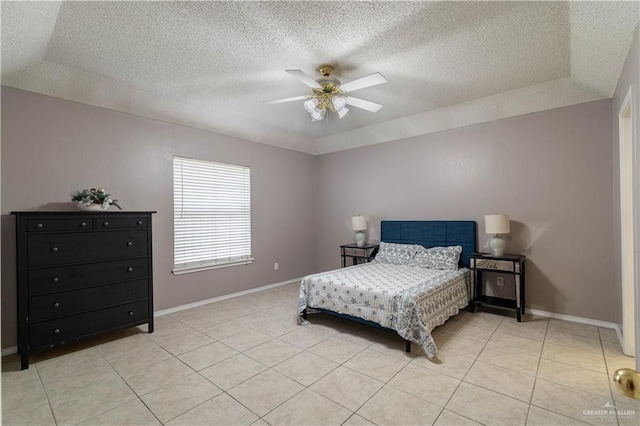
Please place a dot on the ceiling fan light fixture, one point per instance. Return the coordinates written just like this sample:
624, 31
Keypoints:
339, 102
311, 105
317, 114
330, 94
342, 112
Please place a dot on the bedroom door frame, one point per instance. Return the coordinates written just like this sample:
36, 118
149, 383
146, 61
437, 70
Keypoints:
629, 224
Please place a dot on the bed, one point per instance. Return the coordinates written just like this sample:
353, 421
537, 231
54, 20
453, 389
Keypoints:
402, 296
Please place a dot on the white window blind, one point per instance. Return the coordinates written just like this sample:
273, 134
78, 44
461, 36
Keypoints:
212, 215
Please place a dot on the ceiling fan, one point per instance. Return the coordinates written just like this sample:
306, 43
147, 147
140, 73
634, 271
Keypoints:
330, 94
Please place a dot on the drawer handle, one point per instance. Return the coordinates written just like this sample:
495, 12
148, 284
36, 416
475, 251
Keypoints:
139, 222
55, 279
40, 226
105, 223
57, 331
56, 305
130, 313
54, 249
129, 243
83, 224
130, 269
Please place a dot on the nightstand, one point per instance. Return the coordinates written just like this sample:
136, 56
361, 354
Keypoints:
357, 254
511, 264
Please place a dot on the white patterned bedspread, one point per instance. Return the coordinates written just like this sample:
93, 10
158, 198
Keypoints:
410, 300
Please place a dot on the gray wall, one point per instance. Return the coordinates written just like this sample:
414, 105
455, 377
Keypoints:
51, 147
550, 171
630, 76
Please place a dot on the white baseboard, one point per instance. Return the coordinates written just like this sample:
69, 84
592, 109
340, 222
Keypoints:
14, 349
570, 318
9, 351
225, 297
619, 334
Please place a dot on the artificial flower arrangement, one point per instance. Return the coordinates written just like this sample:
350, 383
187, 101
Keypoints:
97, 198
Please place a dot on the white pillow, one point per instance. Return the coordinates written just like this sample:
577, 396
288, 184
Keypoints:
396, 254
445, 258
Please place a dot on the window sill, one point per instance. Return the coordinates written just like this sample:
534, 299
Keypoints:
190, 269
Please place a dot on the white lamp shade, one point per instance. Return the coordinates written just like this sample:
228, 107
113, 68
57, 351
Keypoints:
359, 223
496, 224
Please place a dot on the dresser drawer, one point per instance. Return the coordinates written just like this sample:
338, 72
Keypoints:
67, 328
50, 280
87, 299
47, 225
54, 249
121, 222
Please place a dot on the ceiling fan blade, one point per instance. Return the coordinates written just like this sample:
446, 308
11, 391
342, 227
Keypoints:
362, 104
304, 78
281, 101
361, 83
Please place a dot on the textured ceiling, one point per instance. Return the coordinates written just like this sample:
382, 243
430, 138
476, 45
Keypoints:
211, 65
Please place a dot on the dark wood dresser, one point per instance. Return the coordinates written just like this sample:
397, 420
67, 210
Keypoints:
81, 273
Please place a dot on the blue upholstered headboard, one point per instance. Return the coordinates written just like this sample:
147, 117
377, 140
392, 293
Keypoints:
432, 233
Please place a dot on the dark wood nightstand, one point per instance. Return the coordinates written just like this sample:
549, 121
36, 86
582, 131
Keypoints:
511, 264
363, 254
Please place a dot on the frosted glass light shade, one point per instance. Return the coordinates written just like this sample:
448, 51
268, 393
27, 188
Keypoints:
496, 224
317, 114
338, 102
359, 223
311, 105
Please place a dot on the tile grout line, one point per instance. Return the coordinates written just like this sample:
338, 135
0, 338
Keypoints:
44, 389
474, 363
609, 375
364, 348
535, 381
127, 383
267, 368
309, 386
560, 362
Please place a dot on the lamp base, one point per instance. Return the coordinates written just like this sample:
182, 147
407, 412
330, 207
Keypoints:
360, 237
497, 244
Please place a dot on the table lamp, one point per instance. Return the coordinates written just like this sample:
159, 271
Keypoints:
497, 224
359, 224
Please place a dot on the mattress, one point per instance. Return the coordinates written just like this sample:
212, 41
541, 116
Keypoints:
410, 300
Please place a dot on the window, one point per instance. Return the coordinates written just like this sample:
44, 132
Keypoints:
212, 215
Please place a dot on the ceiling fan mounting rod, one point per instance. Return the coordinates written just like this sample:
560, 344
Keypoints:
326, 70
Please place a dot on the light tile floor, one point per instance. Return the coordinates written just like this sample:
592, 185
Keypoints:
246, 361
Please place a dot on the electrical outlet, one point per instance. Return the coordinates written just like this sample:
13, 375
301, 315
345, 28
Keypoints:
500, 281
275, 266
